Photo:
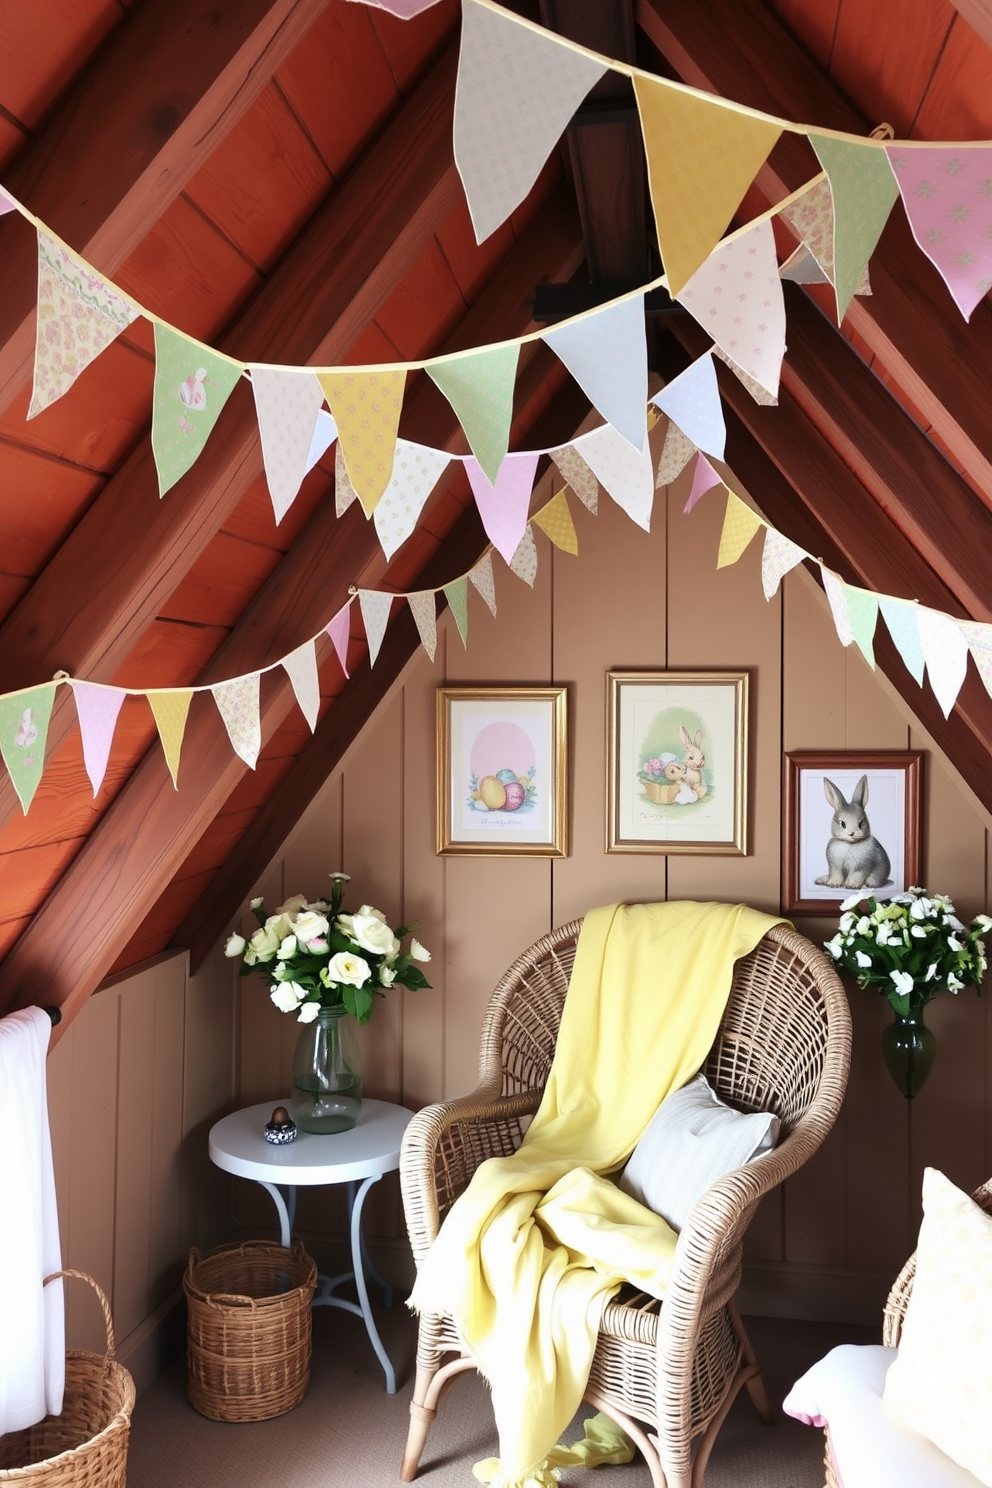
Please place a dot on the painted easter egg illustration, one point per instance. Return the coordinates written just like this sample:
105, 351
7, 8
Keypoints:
515, 794
492, 792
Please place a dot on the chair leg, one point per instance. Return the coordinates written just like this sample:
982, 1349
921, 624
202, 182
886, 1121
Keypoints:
427, 1389
645, 1443
752, 1380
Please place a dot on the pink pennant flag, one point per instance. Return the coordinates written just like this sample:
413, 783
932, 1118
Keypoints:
339, 631
736, 296
405, 10
287, 401
97, 709
6, 205
301, 669
375, 608
947, 193
503, 506
704, 478
237, 703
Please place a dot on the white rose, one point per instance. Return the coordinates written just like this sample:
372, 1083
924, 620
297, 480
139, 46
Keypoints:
387, 975
418, 952
862, 959
921, 908
308, 1012
347, 968
293, 906
373, 934
280, 924
982, 922
852, 902
341, 877
903, 981
235, 945
286, 997
287, 948
310, 926
256, 903
834, 947
264, 943
373, 913
343, 924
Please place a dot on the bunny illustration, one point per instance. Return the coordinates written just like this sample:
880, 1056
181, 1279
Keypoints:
855, 858
675, 773
695, 759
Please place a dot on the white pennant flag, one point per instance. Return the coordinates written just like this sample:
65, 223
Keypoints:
838, 605
517, 89
606, 352
287, 402
416, 471
736, 296
524, 561
375, 613
424, 610
945, 651
301, 669
237, 702
325, 431
979, 638
779, 557
481, 576
626, 473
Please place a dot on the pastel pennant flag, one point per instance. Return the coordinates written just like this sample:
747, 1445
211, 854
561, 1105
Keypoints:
979, 638
947, 194
366, 407
404, 9
481, 577
425, 614
556, 520
287, 402
479, 388
740, 524
780, 556
97, 709
864, 191
456, 594
836, 592
627, 474
503, 506
192, 384
324, 434
79, 314
704, 478
344, 491
574, 469
945, 651
676, 452
524, 563
736, 296
692, 400
24, 719
758, 393
6, 204
812, 217
900, 617
339, 630
862, 609
416, 471
170, 710
375, 613
237, 703
517, 89
300, 667
702, 156
607, 354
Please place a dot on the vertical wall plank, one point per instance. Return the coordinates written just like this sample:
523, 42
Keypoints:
91, 1177
208, 1089
135, 1139
165, 1188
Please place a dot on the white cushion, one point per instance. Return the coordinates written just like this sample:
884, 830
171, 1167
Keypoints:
692, 1140
871, 1446
941, 1382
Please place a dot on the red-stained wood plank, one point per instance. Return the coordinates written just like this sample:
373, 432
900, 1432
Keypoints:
885, 52
9, 932
977, 14
424, 307
408, 44
958, 105
42, 500
252, 517
12, 138
813, 22
469, 261
13, 587
42, 48
27, 876
371, 346
170, 654
219, 585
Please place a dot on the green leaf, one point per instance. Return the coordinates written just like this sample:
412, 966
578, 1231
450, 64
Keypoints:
414, 978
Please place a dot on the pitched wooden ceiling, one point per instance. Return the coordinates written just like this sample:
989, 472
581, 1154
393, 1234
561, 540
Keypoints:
276, 177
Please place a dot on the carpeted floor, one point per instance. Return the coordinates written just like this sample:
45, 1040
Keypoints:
348, 1433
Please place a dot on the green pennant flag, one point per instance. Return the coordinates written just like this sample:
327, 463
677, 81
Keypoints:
192, 384
900, 617
864, 191
24, 718
862, 606
480, 390
457, 597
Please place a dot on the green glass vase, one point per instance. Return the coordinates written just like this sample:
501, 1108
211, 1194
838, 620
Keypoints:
909, 1049
327, 1074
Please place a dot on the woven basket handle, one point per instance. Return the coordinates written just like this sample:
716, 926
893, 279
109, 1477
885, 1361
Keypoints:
103, 1302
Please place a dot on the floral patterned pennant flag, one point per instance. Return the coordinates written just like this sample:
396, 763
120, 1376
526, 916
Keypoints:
97, 709
676, 453
740, 524
79, 314
517, 89
482, 579
170, 710
237, 703
692, 400
503, 504
837, 598
479, 388
574, 469
945, 651
423, 605
812, 217
779, 556
627, 474
301, 669
864, 192
704, 478
979, 638
192, 384
862, 608
344, 491
375, 613
366, 407
524, 563
606, 353
287, 401
456, 594
339, 630
900, 617
556, 520
758, 393
947, 194
24, 719
416, 471
736, 296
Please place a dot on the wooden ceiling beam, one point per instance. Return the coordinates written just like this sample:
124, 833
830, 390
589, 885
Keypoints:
740, 49
161, 94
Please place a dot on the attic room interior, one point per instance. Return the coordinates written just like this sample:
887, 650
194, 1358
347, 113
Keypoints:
615, 523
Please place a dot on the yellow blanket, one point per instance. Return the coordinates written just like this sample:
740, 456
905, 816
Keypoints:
527, 1257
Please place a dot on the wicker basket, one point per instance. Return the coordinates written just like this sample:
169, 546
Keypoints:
85, 1446
661, 792
248, 1339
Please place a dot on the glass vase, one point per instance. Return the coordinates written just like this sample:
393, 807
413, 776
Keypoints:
327, 1074
909, 1049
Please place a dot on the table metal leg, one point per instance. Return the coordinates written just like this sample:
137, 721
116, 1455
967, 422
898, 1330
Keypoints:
286, 1213
357, 1249
367, 1263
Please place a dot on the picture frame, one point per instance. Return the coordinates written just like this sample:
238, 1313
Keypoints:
814, 817
677, 762
502, 771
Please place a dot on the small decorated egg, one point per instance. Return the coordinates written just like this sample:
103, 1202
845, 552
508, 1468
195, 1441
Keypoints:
514, 796
492, 792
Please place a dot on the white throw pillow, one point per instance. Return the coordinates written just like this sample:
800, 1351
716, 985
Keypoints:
941, 1381
692, 1140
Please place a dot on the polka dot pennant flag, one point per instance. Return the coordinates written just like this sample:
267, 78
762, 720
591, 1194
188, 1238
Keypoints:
192, 384
947, 193
287, 401
366, 407
479, 388
736, 296
692, 400
627, 474
837, 598
524, 562
481, 578
517, 89
375, 608
97, 709
740, 524
778, 557
456, 594
503, 505
574, 469
864, 191
416, 471
900, 618
300, 667
862, 609
676, 453
606, 353
945, 651
24, 719
237, 703
170, 710
424, 610
556, 520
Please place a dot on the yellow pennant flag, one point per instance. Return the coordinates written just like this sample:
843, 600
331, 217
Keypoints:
702, 156
366, 407
556, 520
170, 710
739, 526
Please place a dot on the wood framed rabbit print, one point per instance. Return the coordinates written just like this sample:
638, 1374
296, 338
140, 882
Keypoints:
851, 823
677, 762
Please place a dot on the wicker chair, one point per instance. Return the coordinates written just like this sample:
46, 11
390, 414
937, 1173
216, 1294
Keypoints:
667, 1374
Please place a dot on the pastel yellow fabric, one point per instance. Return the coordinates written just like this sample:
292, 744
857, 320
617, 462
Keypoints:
366, 407
529, 1254
556, 520
602, 1442
739, 526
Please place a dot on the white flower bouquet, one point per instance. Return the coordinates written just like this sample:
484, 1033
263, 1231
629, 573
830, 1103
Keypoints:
909, 947
316, 956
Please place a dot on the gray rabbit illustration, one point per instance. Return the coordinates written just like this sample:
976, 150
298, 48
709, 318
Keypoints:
855, 858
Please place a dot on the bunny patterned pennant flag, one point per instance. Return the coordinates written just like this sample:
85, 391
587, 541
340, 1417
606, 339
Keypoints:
237, 703
97, 709
837, 597
170, 710
864, 192
300, 667
481, 578
24, 719
524, 563
779, 556
900, 617
503, 506
192, 384
479, 388
366, 407
811, 215
456, 594
79, 314
945, 651
344, 491
627, 473
676, 453
692, 400
324, 434
979, 638
704, 478
574, 469
424, 610
947, 194
375, 608
862, 609
416, 471
517, 89
287, 401
736, 296
740, 524
556, 520
606, 353
339, 630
